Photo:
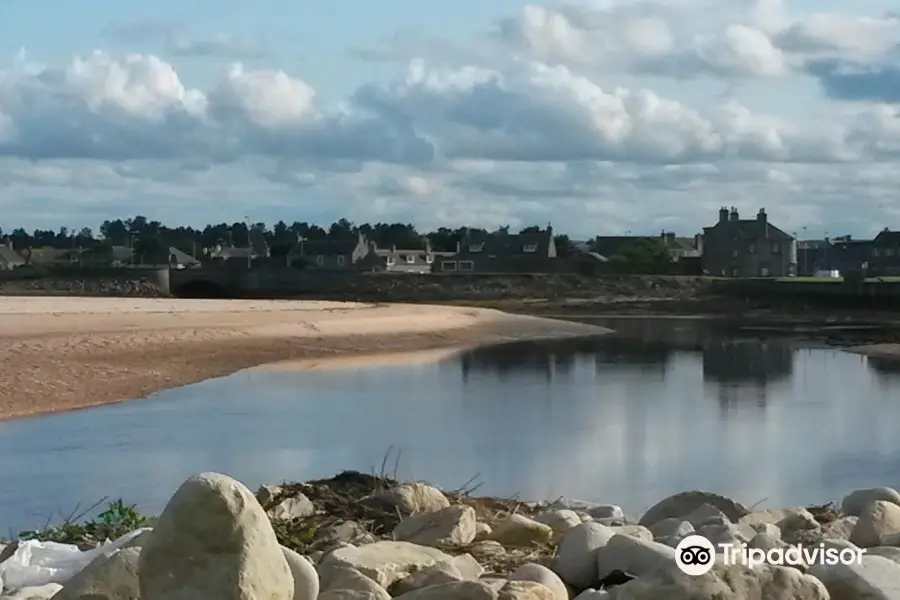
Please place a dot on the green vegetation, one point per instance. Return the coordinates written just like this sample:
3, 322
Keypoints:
644, 251
115, 521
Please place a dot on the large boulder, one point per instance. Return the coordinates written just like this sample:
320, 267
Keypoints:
540, 574
681, 505
454, 525
384, 562
306, 580
344, 583
875, 578
877, 522
856, 501
576, 561
213, 540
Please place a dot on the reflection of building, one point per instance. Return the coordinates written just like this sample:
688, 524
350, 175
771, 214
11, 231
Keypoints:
747, 364
884, 367
558, 357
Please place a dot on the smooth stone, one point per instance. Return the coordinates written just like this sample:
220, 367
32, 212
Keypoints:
680, 505
877, 521
454, 525
576, 561
877, 578
384, 562
541, 574
213, 541
856, 501
306, 579
112, 577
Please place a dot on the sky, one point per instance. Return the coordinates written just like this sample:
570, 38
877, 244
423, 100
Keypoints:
599, 117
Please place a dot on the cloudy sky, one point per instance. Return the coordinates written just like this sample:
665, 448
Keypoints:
596, 115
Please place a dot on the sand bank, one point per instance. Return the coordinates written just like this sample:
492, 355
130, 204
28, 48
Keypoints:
63, 353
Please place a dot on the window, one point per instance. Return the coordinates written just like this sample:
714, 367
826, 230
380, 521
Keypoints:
390, 261
429, 259
410, 259
776, 248
529, 248
448, 265
888, 251
735, 272
876, 252
764, 271
752, 248
320, 260
476, 247
341, 260
734, 253
466, 265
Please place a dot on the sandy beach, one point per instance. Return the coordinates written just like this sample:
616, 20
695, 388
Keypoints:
64, 353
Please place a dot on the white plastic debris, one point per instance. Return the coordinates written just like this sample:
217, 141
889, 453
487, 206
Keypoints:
39, 563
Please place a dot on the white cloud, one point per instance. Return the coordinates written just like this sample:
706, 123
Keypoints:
572, 116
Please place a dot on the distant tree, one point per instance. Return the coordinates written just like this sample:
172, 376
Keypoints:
644, 251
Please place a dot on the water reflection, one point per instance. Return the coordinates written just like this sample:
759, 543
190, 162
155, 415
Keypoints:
657, 408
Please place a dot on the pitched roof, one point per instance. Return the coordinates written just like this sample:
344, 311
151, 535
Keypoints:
750, 229
499, 243
887, 238
183, 258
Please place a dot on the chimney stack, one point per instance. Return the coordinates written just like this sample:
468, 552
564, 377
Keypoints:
723, 215
733, 215
761, 215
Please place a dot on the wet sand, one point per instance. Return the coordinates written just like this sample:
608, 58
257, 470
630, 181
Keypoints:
65, 353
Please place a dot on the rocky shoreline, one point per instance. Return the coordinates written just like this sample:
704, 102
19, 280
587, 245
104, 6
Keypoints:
361, 537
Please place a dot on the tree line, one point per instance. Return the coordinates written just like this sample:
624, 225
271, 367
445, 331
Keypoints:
148, 237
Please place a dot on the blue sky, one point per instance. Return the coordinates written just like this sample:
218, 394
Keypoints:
603, 116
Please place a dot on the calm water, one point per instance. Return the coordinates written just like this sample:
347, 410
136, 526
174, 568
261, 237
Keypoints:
661, 407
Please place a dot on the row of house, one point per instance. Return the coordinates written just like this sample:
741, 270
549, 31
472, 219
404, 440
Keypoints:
731, 247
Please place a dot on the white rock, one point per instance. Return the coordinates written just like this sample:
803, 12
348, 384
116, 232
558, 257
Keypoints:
877, 578
890, 553
519, 530
213, 541
457, 590
576, 561
632, 555
680, 505
467, 566
482, 531
345, 583
856, 501
293, 507
411, 498
876, 522
112, 577
36, 592
839, 528
733, 582
452, 525
636, 531
560, 520
764, 541
544, 576
525, 590
384, 562
306, 579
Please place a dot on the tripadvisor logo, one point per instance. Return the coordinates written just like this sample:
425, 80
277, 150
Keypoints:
696, 555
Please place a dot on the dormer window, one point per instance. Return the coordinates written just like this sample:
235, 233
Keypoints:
390, 260
410, 259
429, 259
530, 248
476, 247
